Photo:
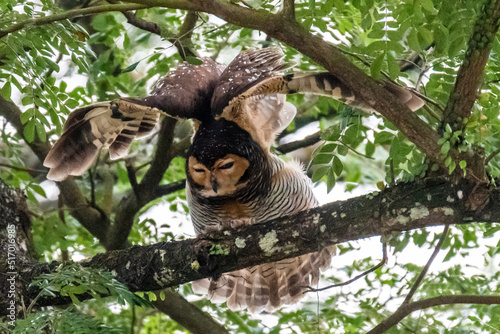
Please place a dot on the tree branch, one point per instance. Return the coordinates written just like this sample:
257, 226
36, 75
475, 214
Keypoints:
354, 279
405, 207
470, 74
129, 206
288, 9
427, 266
407, 309
297, 144
186, 314
69, 15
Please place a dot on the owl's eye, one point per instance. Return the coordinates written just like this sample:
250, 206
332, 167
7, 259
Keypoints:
199, 170
227, 166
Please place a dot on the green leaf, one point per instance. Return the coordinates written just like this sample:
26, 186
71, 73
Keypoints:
412, 41
71, 103
462, 164
322, 159
425, 37
383, 137
6, 91
441, 39
330, 181
445, 148
29, 131
193, 60
369, 149
40, 130
452, 167
131, 67
39, 190
328, 148
393, 66
126, 41
447, 161
338, 167
319, 173
376, 66
427, 5
342, 150
27, 115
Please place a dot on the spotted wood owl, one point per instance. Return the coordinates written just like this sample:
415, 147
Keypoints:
233, 179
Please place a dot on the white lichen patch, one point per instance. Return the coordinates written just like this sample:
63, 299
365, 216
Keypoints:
267, 243
402, 219
226, 232
448, 211
240, 243
460, 194
295, 234
343, 215
316, 219
419, 212
429, 197
127, 266
162, 255
195, 265
114, 273
322, 228
450, 199
334, 214
157, 279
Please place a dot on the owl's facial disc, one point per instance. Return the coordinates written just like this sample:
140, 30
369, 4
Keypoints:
223, 178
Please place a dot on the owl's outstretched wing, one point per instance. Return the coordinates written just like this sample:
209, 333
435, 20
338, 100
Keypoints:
322, 84
185, 92
261, 109
112, 124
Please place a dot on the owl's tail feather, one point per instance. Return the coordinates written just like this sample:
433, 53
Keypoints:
268, 286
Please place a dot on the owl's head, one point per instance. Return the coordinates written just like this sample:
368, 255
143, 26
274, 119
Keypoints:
224, 159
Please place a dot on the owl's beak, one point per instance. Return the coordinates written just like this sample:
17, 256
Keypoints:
214, 183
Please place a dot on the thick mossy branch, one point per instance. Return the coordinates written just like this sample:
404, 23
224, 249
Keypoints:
470, 74
405, 207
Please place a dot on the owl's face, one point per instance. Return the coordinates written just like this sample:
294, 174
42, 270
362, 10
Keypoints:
223, 159
224, 177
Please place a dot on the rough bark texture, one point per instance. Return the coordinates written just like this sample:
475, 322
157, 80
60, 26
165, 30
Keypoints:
405, 207
16, 250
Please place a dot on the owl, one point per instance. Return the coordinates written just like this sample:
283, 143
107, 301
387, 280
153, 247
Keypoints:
233, 179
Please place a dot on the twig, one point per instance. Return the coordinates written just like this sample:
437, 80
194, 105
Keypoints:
491, 156
167, 189
132, 177
72, 14
406, 309
295, 145
427, 266
29, 170
380, 264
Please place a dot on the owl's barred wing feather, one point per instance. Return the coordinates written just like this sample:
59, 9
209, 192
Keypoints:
114, 124
320, 84
185, 92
